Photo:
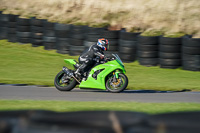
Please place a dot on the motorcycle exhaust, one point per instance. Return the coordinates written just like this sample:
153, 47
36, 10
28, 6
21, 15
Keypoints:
69, 73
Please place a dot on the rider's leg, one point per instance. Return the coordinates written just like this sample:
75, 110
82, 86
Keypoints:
81, 69
83, 66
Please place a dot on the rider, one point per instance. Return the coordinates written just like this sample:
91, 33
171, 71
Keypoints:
86, 59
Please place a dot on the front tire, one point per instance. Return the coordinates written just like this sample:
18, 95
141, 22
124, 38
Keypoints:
118, 86
64, 86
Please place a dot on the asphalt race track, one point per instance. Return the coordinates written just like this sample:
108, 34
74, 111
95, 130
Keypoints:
51, 93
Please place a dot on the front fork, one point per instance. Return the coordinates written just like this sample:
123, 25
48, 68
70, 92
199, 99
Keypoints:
116, 75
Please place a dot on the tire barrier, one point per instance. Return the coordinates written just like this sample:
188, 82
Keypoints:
191, 53
37, 32
77, 35
127, 46
63, 45
49, 37
76, 50
23, 30
4, 19
12, 28
147, 50
35, 121
62, 32
112, 37
170, 52
92, 35
73, 40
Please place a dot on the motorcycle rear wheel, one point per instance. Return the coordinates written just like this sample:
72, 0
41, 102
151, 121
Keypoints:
122, 82
64, 86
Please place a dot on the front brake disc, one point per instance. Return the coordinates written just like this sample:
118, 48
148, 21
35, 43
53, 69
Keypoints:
116, 84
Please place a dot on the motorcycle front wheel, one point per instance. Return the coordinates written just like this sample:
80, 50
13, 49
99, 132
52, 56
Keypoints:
117, 85
64, 83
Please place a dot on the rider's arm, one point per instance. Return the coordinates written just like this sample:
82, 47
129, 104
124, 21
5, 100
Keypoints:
98, 53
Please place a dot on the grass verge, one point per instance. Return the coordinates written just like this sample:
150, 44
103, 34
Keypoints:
36, 66
67, 106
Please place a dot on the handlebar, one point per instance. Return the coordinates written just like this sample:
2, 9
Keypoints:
105, 59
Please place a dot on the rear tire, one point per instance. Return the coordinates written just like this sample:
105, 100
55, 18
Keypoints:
61, 86
124, 81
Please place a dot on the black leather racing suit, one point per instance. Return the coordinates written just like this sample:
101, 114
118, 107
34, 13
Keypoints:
86, 59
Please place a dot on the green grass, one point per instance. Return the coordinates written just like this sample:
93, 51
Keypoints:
152, 33
26, 64
174, 35
36, 66
66, 106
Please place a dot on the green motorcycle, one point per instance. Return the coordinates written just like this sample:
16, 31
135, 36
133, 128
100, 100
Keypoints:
105, 75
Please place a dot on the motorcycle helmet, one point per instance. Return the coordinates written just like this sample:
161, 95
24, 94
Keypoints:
103, 43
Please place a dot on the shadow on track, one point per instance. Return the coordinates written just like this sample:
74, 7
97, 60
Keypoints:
133, 91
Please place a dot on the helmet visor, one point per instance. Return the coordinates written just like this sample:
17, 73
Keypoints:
105, 45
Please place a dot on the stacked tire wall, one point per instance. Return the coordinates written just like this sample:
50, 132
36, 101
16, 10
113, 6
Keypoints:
128, 46
37, 26
77, 39
112, 36
3, 25
170, 52
92, 35
12, 28
23, 30
147, 53
49, 37
62, 38
69, 39
191, 53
